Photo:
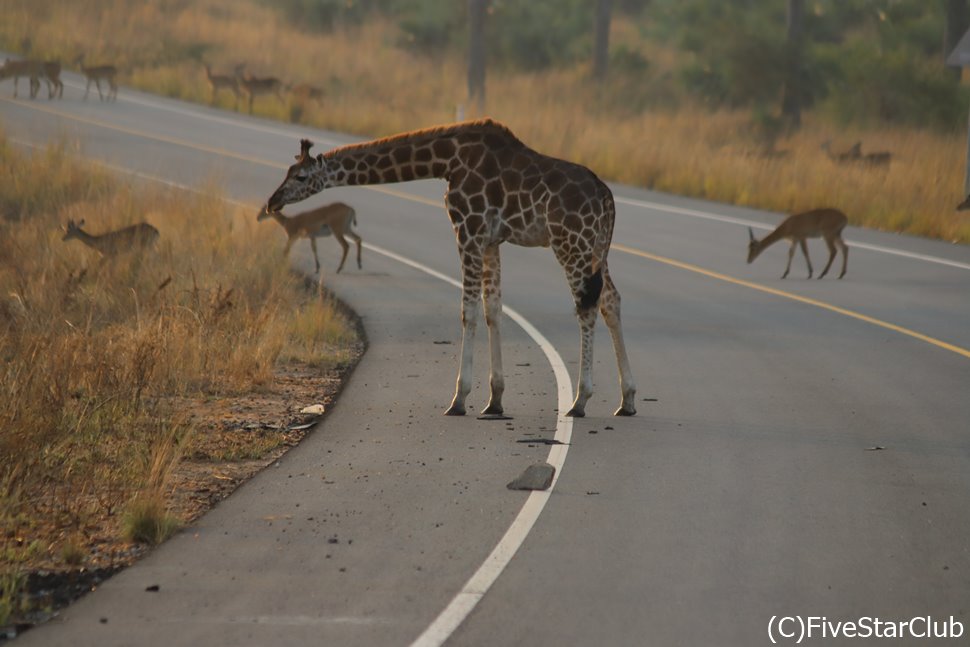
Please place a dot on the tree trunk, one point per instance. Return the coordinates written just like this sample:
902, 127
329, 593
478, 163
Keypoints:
601, 39
477, 10
791, 102
954, 25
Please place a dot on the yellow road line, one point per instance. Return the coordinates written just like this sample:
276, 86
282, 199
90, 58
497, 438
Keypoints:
619, 247
175, 141
794, 297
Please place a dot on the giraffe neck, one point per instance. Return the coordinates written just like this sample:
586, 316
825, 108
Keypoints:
421, 154
395, 159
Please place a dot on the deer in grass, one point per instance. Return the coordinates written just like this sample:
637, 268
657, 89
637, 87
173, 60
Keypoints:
34, 70
818, 223
222, 82
131, 238
304, 92
96, 74
855, 156
336, 219
252, 86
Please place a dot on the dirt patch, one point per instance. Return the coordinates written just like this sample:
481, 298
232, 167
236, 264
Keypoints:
234, 438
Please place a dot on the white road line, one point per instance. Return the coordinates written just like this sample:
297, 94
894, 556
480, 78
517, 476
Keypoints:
200, 114
478, 584
693, 213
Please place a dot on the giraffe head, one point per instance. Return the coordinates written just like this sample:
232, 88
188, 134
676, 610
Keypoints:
308, 176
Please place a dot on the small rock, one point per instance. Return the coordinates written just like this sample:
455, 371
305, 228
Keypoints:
154, 588
537, 476
313, 409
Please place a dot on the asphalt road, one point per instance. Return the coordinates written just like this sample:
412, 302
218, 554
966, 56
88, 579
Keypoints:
747, 487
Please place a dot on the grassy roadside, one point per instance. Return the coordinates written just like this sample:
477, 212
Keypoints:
716, 155
123, 381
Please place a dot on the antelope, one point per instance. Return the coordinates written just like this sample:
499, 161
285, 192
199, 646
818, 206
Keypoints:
222, 82
304, 92
855, 156
251, 85
848, 156
824, 223
95, 75
137, 236
336, 218
16, 69
52, 72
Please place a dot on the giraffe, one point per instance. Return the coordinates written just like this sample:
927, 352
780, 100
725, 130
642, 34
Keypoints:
499, 190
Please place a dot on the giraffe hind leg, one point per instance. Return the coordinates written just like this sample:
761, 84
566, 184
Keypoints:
610, 309
586, 292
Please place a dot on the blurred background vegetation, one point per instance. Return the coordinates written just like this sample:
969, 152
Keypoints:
685, 96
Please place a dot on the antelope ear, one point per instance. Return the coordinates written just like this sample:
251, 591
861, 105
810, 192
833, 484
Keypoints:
751, 234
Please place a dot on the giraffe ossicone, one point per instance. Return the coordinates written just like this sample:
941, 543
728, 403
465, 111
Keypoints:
499, 190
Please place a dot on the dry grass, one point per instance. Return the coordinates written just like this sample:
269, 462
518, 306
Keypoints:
159, 46
101, 358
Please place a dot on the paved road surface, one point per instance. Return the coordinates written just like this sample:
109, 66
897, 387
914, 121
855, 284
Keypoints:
744, 489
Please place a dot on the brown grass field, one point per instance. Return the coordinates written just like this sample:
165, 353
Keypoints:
159, 47
122, 382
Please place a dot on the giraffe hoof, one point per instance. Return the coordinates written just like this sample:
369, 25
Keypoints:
455, 410
623, 411
576, 412
492, 410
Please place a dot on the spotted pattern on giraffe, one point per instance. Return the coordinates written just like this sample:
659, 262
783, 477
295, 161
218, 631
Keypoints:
499, 190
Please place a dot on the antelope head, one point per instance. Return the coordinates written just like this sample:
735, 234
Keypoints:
754, 248
72, 228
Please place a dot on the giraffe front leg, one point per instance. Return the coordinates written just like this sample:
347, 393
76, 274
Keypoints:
492, 299
471, 291
584, 384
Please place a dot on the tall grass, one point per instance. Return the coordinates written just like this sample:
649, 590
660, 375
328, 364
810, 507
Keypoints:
372, 87
96, 352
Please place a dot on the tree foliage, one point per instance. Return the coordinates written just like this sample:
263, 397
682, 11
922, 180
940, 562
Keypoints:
860, 60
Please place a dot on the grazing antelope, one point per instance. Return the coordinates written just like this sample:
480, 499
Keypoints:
137, 236
848, 156
304, 92
855, 156
336, 218
33, 70
824, 223
221, 82
95, 75
52, 73
252, 86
